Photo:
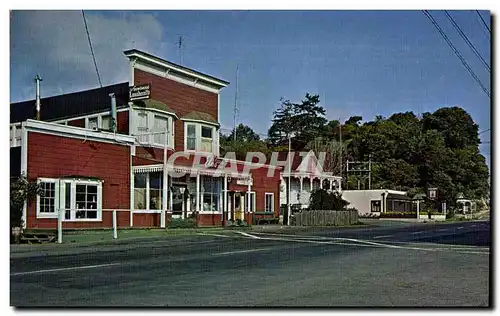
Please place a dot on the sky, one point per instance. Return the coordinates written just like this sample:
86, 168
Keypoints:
364, 63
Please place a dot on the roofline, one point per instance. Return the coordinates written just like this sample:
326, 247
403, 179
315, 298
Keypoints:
76, 132
140, 54
70, 93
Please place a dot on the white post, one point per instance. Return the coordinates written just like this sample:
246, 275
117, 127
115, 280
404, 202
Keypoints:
197, 192
59, 225
224, 208
115, 232
418, 209
331, 184
289, 193
321, 183
249, 209
311, 179
165, 180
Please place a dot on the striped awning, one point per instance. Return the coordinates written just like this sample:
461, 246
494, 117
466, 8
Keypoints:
192, 171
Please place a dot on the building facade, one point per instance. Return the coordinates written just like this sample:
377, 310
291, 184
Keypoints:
147, 148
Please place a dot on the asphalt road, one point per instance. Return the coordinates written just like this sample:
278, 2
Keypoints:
377, 265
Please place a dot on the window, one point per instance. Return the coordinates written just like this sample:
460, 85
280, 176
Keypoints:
199, 137
210, 194
155, 190
375, 206
191, 137
252, 202
140, 187
150, 127
78, 199
160, 125
15, 135
86, 201
106, 122
206, 139
148, 191
47, 200
269, 202
93, 123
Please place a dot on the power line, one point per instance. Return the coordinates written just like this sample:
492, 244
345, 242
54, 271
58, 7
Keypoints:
466, 39
483, 131
484, 22
429, 16
91, 49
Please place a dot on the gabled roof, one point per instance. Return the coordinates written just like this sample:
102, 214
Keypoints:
72, 104
187, 71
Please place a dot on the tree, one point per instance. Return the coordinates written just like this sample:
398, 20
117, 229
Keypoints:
244, 133
21, 191
305, 120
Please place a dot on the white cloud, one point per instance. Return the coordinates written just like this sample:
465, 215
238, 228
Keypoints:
55, 44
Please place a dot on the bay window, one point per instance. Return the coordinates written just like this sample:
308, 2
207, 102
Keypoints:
200, 137
150, 127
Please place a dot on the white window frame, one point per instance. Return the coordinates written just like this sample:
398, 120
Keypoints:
253, 197
198, 127
14, 142
147, 207
56, 199
74, 183
149, 137
265, 202
99, 119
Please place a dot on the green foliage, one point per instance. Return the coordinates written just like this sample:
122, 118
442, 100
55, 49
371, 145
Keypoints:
182, 223
321, 199
305, 120
21, 190
398, 215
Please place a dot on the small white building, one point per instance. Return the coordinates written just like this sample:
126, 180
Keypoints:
376, 201
306, 176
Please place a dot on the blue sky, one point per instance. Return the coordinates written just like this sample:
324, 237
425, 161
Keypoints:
363, 63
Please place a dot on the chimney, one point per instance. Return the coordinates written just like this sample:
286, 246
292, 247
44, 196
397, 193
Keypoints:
113, 112
37, 81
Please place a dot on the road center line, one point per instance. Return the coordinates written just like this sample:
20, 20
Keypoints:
414, 233
442, 229
65, 269
460, 227
473, 226
383, 236
248, 235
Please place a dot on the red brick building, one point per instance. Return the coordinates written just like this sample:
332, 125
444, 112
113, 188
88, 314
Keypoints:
93, 158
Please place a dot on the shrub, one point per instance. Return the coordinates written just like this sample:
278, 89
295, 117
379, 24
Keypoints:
321, 199
182, 223
398, 215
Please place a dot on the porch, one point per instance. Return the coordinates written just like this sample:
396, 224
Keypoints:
302, 184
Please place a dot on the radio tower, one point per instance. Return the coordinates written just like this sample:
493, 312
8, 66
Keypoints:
235, 105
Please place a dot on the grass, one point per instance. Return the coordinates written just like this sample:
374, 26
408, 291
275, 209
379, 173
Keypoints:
92, 236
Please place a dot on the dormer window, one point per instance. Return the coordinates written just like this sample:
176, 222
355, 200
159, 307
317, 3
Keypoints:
200, 137
149, 127
206, 138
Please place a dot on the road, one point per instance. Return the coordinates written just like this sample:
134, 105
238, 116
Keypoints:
377, 265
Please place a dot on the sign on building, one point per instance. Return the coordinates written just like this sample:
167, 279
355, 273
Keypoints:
140, 92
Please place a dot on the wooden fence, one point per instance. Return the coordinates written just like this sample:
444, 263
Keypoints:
325, 218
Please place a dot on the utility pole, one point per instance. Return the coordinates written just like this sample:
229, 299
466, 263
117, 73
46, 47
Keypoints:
235, 105
369, 172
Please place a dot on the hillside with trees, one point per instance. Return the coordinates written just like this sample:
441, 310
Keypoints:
439, 149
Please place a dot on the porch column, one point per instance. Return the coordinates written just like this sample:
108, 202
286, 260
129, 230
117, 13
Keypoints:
248, 196
301, 183
311, 180
224, 209
197, 192
331, 184
164, 193
321, 183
